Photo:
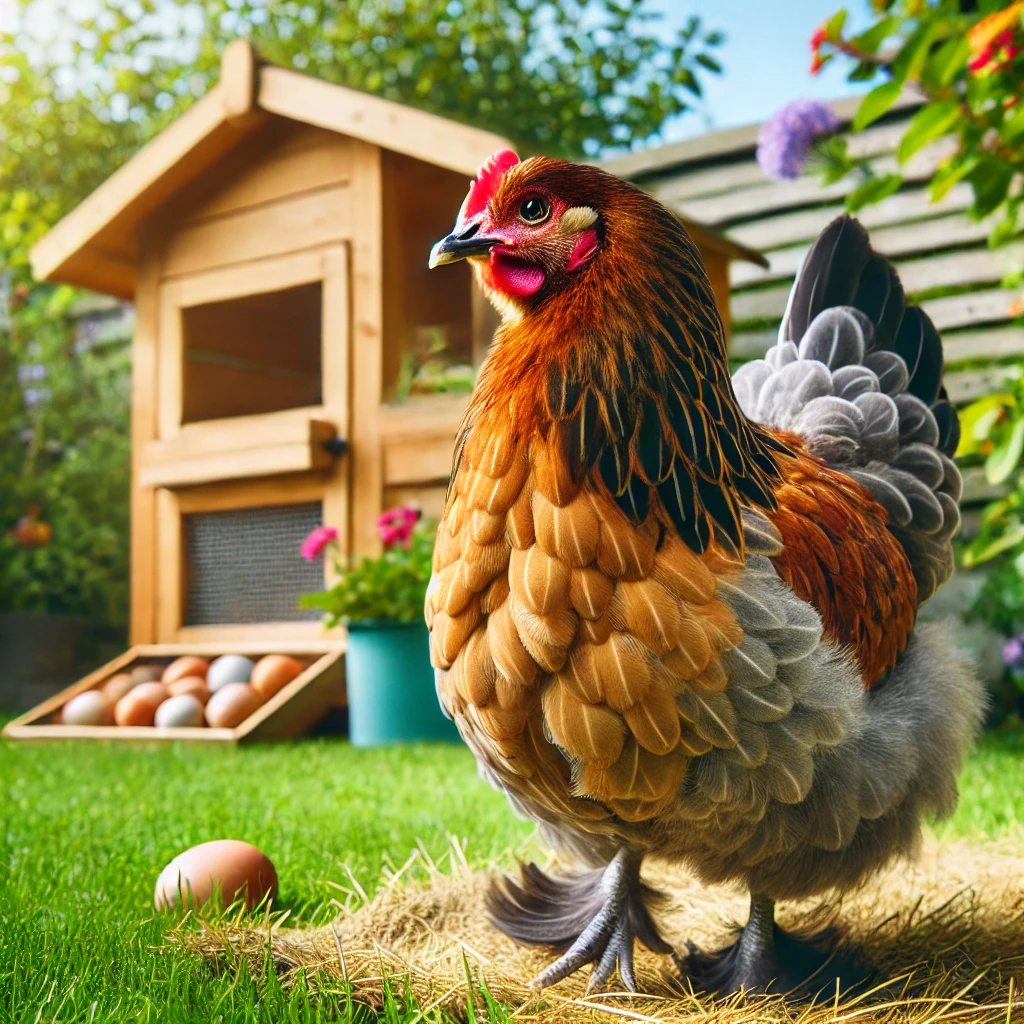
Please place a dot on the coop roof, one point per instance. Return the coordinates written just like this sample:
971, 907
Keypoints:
95, 245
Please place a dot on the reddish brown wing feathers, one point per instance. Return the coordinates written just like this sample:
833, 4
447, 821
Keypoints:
840, 557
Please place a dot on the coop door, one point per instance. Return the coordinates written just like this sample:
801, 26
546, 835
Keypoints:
253, 410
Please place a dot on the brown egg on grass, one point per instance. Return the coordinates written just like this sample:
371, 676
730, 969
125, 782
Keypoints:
117, 686
189, 665
231, 705
146, 673
88, 708
274, 672
235, 869
138, 706
194, 685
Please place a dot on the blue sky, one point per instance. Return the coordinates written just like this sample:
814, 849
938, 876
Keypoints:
765, 57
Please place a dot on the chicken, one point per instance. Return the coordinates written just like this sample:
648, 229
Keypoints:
673, 610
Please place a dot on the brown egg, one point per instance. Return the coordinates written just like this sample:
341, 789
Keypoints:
272, 673
117, 686
138, 706
89, 708
231, 705
229, 866
146, 674
193, 685
186, 666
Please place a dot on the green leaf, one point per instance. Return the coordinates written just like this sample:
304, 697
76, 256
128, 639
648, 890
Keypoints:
991, 180
949, 174
869, 41
983, 549
947, 61
931, 122
875, 104
834, 26
1004, 458
873, 190
910, 60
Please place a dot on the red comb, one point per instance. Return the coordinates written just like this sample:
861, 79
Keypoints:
487, 179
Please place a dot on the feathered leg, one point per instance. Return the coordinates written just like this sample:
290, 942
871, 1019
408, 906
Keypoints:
764, 955
597, 915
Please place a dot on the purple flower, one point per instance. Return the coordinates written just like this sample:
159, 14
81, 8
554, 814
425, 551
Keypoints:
315, 543
1013, 650
786, 137
29, 372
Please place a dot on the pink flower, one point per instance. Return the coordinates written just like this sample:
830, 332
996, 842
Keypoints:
395, 526
315, 543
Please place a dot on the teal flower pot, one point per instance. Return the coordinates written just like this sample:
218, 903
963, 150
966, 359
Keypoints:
391, 696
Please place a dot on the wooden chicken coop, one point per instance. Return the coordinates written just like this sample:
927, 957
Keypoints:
274, 240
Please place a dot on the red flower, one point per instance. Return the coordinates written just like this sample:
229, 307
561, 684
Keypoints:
315, 543
817, 40
396, 525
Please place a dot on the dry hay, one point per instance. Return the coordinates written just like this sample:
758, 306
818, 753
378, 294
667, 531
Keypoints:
946, 935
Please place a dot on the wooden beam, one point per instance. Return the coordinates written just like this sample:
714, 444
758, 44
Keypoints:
379, 122
367, 469
292, 441
238, 81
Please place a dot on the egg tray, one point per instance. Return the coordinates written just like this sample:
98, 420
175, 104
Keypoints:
288, 714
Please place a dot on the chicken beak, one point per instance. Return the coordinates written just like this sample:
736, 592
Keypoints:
460, 244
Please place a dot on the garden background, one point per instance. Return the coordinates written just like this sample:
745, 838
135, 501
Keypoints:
82, 87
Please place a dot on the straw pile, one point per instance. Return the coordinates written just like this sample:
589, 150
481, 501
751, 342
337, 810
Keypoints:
946, 935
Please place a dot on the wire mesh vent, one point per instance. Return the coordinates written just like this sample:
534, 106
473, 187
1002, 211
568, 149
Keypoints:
244, 565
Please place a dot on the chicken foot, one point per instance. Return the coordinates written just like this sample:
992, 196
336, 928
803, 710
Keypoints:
598, 915
765, 956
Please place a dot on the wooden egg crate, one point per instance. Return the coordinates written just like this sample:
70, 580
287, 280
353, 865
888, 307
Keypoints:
288, 714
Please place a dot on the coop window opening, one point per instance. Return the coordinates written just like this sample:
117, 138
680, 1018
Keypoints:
243, 565
253, 354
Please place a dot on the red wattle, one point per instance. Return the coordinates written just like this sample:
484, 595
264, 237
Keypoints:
515, 276
585, 247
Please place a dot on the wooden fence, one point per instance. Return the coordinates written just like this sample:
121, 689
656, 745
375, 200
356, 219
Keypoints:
972, 293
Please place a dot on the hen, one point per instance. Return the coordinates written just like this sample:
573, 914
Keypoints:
673, 610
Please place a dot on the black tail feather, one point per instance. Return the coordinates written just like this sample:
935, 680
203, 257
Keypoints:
541, 910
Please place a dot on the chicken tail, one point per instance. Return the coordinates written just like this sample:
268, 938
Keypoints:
858, 374
542, 910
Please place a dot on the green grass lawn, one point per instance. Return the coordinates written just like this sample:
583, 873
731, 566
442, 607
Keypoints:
85, 829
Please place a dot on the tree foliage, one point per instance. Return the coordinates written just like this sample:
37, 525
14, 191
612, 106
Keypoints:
80, 94
965, 61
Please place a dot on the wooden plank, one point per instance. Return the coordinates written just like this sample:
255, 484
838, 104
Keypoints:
368, 299
806, 190
223, 450
752, 344
731, 177
429, 498
170, 363
251, 493
251, 278
336, 357
967, 385
259, 635
376, 121
717, 144
975, 266
170, 567
989, 306
757, 304
996, 343
428, 459
421, 415
142, 500
794, 226
311, 160
288, 225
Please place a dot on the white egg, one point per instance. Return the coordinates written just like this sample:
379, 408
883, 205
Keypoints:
180, 711
228, 668
89, 708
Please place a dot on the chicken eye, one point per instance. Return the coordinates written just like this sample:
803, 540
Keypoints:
534, 210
